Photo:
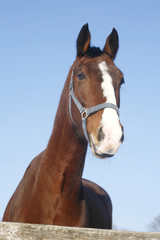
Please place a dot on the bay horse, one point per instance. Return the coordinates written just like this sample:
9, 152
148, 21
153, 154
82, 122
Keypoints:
52, 190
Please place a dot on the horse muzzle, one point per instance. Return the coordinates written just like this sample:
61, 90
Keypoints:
107, 143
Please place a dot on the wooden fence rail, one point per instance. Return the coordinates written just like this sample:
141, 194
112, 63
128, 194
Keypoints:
20, 231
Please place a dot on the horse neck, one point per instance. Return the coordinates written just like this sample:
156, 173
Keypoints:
64, 156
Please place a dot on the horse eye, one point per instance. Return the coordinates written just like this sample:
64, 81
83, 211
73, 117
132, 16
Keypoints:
122, 81
81, 76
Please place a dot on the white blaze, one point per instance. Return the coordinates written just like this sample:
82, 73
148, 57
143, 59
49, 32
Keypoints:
110, 120
108, 90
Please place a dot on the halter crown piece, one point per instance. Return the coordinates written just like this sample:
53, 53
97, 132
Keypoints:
86, 112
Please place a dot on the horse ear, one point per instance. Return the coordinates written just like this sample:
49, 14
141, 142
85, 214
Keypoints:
112, 44
83, 40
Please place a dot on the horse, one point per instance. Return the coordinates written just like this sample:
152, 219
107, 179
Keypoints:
52, 190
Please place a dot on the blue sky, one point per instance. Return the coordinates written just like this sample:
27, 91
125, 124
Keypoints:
37, 48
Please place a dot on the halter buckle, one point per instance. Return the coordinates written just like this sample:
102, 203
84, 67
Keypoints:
84, 114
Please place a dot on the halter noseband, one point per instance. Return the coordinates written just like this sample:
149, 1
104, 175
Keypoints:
86, 112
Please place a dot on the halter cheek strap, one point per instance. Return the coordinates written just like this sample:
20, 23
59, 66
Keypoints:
86, 112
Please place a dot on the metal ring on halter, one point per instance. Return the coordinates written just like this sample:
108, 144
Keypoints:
86, 112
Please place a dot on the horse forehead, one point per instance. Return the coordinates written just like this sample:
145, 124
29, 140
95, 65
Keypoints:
92, 67
94, 64
108, 68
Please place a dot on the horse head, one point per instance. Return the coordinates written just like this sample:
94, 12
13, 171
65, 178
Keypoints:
95, 94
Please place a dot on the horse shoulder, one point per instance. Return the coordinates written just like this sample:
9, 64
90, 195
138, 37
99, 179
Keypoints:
98, 205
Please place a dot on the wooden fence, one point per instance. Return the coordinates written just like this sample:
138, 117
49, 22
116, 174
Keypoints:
20, 231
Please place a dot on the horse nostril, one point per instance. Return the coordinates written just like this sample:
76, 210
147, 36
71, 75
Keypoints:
122, 138
100, 135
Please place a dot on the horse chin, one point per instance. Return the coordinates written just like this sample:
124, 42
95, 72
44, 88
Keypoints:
97, 153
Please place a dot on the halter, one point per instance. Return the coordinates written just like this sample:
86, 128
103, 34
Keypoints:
86, 112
